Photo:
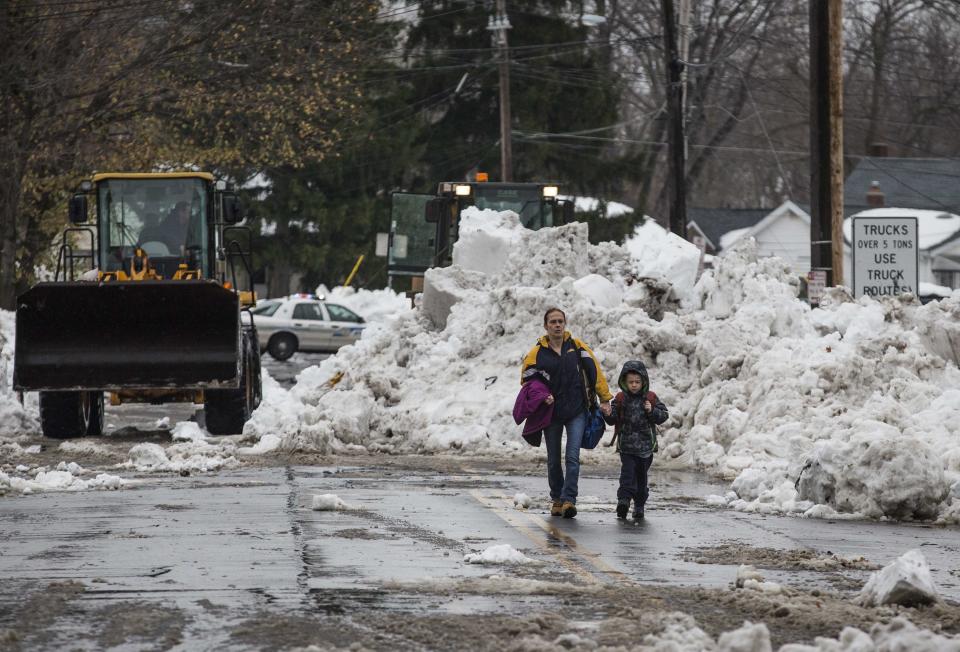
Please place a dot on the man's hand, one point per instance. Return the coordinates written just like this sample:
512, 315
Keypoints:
605, 408
647, 406
549, 400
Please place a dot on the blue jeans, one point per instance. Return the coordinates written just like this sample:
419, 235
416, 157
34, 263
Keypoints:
564, 489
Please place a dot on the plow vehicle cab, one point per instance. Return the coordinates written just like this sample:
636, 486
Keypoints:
423, 227
150, 303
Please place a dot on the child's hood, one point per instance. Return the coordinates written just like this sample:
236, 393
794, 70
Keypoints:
636, 367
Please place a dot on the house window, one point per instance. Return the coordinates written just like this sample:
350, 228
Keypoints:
947, 277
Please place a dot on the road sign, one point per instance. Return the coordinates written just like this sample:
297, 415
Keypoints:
816, 284
885, 256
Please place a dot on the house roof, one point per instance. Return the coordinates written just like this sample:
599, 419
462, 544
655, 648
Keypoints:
714, 222
932, 184
933, 227
946, 245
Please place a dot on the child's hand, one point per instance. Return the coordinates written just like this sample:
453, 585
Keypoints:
549, 400
647, 406
605, 408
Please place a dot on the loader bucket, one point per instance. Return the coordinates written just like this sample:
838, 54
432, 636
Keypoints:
116, 335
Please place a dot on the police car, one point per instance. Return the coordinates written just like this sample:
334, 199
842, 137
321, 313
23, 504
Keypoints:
304, 322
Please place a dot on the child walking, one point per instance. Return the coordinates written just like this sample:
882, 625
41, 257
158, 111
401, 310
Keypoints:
636, 411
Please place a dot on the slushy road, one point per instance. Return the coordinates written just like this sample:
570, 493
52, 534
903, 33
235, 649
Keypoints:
240, 560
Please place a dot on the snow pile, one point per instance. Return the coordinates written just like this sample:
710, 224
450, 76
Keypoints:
187, 431
373, 305
499, 554
15, 419
665, 255
181, 458
748, 577
266, 444
521, 501
590, 204
898, 634
681, 634
905, 581
328, 503
84, 447
747, 638
851, 408
64, 478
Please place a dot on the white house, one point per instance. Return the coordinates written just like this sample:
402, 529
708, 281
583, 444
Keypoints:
784, 232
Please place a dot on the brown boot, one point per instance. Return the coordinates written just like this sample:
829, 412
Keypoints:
556, 509
569, 510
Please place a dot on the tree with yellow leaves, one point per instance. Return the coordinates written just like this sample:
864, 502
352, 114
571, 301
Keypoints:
161, 84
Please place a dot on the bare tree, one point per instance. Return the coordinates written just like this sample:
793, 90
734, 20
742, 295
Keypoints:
734, 45
902, 74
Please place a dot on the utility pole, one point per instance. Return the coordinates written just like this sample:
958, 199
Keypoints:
500, 24
826, 141
684, 39
676, 179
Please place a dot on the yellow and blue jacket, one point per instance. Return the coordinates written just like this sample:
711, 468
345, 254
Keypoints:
567, 372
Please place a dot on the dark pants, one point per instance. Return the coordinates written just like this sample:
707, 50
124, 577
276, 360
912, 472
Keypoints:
633, 479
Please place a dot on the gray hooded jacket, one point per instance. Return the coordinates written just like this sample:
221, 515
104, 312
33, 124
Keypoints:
632, 424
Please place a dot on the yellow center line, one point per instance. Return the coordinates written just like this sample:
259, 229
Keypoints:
498, 504
516, 522
590, 556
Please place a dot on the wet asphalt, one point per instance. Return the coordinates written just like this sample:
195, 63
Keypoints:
185, 562
220, 547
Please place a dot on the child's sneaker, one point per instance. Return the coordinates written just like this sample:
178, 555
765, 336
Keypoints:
622, 507
556, 509
569, 510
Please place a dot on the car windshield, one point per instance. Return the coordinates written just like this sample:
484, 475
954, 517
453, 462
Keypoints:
164, 216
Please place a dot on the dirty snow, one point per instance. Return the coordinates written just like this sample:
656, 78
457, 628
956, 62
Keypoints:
16, 421
66, 477
188, 431
499, 554
905, 581
182, 458
851, 410
804, 411
328, 503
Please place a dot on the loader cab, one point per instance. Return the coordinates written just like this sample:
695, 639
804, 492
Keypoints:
166, 216
424, 228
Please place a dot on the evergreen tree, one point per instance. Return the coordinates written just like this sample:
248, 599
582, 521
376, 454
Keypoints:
560, 82
317, 219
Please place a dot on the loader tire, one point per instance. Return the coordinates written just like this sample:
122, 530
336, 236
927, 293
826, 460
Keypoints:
95, 423
226, 410
64, 415
253, 358
281, 346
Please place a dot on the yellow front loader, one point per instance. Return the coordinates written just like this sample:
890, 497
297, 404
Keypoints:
149, 305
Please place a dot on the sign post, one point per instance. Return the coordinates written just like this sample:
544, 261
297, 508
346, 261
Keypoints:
885, 256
